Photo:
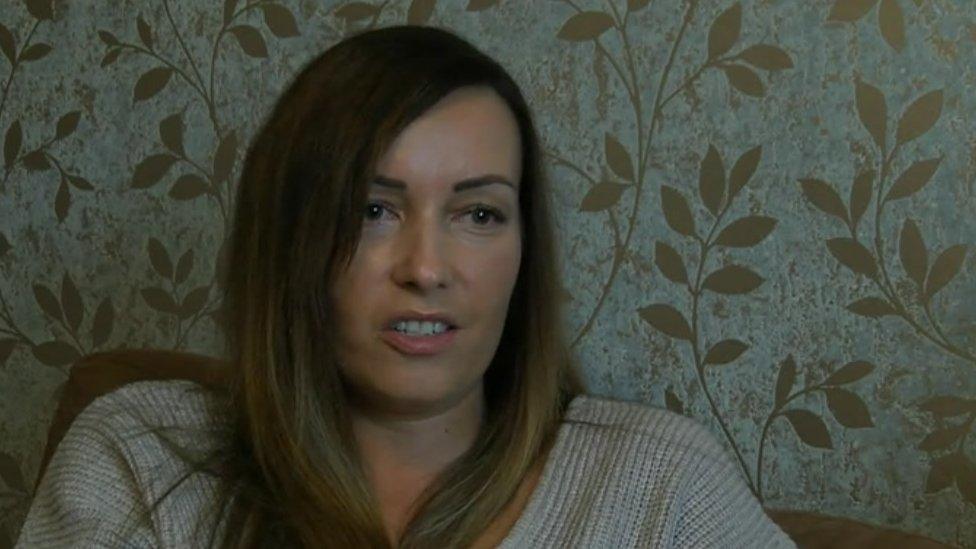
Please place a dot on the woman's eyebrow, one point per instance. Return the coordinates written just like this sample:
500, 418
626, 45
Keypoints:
463, 185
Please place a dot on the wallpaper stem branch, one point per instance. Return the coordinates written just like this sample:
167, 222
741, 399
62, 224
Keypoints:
644, 152
705, 245
14, 65
179, 40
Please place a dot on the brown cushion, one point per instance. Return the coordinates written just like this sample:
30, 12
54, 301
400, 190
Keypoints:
816, 531
101, 373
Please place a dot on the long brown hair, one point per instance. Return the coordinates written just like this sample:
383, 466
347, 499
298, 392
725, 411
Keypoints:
290, 462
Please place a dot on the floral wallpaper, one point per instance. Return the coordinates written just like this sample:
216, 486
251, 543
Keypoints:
766, 211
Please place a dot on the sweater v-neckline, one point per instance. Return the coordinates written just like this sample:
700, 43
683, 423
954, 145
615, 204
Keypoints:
528, 519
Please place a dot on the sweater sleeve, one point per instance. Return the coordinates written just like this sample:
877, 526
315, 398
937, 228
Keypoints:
719, 510
89, 496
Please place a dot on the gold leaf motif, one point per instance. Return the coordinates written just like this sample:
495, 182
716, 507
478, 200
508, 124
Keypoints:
250, 40
913, 179
944, 406
872, 110
101, 326
942, 438
848, 408
743, 170
80, 183
810, 428
732, 280
587, 25
280, 20
47, 301
145, 32
151, 170
36, 161
7, 346
634, 5
230, 6
171, 133
919, 117
767, 57
354, 11
850, 372
40, 9
724, 32
478, 5
151, 82
785, 380
945, 267
67, 124
62, 200
35, 52
55, 353
224, 157
670, 263
853, 255
184, 266
159, 300
892, 24
711, 181
725, 351
194, 302
672, 402
188, 187
618, 158
872, 307
861, 191
7, 44
667, 320
822, 195
420, 11
745, 80
914, 256
746, 232
850, 10
601, 196
12, 142
74, 310
159, 258
676, 211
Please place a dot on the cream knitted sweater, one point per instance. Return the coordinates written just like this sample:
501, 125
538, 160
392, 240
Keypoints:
620, 475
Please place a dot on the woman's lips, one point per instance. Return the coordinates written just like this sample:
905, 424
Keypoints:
419, 345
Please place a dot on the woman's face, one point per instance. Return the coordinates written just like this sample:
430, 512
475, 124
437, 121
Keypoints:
441, 235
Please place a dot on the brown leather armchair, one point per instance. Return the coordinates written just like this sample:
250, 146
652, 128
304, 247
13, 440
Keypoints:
97, 374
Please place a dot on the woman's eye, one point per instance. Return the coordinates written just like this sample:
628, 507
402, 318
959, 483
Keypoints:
483, 215
480, 215
374, 211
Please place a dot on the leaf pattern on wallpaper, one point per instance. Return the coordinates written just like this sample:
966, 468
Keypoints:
42, 157
865, 256
718, 188
35, 160
952, 466
891, 18
927, 277
847, 408
629, 161
196, 178
165, 297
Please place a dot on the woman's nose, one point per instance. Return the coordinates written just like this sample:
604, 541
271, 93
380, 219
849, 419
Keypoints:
421, 258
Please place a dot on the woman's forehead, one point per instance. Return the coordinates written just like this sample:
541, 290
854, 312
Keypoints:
470, 133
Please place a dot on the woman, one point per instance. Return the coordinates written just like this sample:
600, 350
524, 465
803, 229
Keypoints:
399, 373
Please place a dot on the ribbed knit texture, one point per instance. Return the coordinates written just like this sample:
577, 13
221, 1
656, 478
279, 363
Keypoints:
620, 475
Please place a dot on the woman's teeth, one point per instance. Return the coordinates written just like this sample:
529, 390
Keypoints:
414, 327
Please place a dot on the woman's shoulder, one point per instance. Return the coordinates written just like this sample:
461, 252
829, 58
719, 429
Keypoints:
641, 425
173, 403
